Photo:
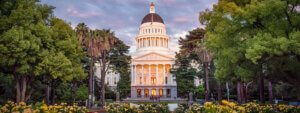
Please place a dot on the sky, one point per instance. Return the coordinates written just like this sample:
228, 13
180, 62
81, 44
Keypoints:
124, 16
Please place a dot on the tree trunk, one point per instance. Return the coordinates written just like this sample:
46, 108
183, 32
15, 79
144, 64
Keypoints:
261, 89
207, 92
52, 92
23, 88
75, 92
220, 93
246, 90
48, 93
238, 88
102, 95
242, 93
298, 94
18, 89
29, 94
261, 84
270, 88
90, 82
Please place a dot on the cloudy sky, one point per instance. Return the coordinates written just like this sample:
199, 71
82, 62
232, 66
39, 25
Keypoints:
124, 16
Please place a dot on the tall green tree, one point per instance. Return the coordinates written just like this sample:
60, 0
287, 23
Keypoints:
120, 61
23, 29
248, 34
61, 57
98, 44
185, 75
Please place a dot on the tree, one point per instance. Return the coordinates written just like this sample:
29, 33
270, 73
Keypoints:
106, 40
184, 75
120, 61
205, 57
23, 28
61, 57
246, 35
98, 43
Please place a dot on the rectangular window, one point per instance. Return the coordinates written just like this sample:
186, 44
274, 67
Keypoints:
168, 93
153, 80
141, 80
166, 79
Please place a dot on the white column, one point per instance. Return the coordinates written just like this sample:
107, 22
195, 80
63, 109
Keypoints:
164, 74
149, 74
164, 92
171, 76
143, 42
157, 81
131, 74
157, 92
135, 75
142, 74
164, 42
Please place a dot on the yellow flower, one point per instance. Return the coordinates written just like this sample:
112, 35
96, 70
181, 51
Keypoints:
232, 104
44, 107
208, 103
225, 102
22, 103
126, 109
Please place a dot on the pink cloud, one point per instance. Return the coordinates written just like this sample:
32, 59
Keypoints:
181, 19
171, 25
73, 12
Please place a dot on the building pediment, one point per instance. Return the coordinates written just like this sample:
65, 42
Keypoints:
153, 57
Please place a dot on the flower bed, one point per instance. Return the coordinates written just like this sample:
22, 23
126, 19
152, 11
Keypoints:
143, 108
41, 108
230, 107
208, 107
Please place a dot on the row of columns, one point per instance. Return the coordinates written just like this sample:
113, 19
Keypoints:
154, 42
152, 31
136, 80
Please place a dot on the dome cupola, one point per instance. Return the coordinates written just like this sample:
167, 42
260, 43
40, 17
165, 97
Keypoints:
152, 16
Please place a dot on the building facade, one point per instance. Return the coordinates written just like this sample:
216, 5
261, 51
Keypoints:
152, 61
111, 79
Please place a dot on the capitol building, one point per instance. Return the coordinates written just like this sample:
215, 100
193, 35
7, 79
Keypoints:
150, 65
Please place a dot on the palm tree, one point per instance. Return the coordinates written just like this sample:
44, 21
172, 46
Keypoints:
206, 58
105, 42
97, 43
87, 39
82, 31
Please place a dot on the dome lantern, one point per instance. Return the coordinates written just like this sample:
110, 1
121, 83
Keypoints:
152, 8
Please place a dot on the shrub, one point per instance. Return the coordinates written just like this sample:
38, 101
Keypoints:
117, 108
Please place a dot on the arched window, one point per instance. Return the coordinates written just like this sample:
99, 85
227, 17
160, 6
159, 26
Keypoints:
139, 92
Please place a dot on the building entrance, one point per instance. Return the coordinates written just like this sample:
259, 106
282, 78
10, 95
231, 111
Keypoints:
153, 93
